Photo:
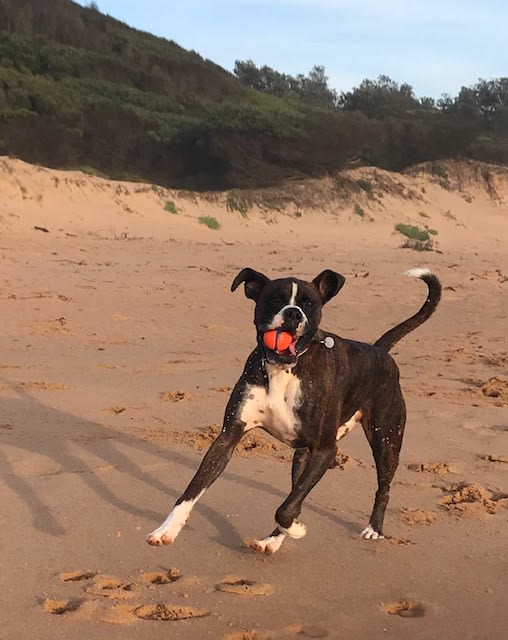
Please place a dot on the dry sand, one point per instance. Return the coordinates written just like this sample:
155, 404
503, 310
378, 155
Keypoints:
120, 342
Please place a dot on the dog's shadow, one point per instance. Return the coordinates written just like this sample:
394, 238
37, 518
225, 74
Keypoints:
67, 441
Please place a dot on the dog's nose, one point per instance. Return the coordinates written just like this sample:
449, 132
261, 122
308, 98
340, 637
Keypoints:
293, 315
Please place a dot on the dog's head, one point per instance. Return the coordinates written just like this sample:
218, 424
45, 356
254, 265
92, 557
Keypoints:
290, 306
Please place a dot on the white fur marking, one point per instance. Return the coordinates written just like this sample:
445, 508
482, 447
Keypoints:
173, 524
270, 544
371, 534
274, 410
345, 428
296, 530
418, 272
294, 292
278, 318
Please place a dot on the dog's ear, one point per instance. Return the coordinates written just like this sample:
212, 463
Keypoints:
254, 282
328, 283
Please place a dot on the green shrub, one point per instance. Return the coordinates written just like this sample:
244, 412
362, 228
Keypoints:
298, 214
170, 206
360, 211
210, 222
412, 231
366, 185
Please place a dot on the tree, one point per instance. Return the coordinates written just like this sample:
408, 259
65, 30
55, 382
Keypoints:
312, 89
380, 98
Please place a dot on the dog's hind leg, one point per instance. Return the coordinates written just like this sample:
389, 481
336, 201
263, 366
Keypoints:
273, 542
212, 465
384, 432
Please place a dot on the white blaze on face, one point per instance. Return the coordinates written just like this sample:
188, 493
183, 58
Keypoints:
294, 292
278, 319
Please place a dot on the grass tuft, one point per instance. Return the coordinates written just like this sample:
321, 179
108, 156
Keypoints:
170, 206
360, 211
210, 222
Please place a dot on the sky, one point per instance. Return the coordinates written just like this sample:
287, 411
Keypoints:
436, 46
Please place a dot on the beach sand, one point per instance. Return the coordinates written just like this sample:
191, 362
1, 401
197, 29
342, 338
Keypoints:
120, 344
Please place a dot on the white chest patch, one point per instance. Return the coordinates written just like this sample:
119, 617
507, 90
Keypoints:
275, 409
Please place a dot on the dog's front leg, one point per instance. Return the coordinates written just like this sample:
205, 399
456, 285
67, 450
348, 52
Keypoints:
317, 462
212, 465
273, 542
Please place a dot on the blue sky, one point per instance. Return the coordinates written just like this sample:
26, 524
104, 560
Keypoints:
437, 46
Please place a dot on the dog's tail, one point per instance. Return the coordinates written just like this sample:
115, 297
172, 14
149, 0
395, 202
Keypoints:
391, 337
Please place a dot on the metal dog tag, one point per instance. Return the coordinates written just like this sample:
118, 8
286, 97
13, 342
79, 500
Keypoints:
329, 342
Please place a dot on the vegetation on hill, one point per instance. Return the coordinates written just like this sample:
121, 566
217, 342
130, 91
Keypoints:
78, 88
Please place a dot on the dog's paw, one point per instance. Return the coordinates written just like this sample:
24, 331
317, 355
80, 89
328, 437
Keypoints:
167, 532
296, 530
159, 538
269, 545
173, 524
371, 534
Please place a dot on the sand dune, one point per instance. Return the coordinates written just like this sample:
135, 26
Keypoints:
120, 344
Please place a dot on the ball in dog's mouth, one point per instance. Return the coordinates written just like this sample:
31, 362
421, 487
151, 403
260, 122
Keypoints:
280, 345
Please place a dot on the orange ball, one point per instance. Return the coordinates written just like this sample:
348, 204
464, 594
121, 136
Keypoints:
277, 340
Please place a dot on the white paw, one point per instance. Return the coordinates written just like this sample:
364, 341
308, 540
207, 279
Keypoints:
173, 524
160, 537
269, 545
296, 530
169, 529
371, 534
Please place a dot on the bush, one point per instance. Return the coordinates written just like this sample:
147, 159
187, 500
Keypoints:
360, 211
210, 222
170, 206
366, 185
412, 231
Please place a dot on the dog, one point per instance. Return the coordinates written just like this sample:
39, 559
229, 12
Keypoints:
308, 390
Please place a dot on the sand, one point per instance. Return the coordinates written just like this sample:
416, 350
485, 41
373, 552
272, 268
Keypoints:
120, 344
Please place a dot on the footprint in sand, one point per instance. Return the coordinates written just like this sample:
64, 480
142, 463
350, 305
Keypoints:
110, 587
168, 612
440, 468
104, 598
241, 586
59, 607
161, 577
404, 608
76, 576
43, 386
496, 387
494, 458
175, 396
472, 500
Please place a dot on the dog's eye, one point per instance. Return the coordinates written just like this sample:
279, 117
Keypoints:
308, 304
278, 302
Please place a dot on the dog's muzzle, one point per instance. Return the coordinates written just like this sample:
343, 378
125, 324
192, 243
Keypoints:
289, 321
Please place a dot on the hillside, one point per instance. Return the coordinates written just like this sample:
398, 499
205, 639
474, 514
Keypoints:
121, 341
81, 89
365, 202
